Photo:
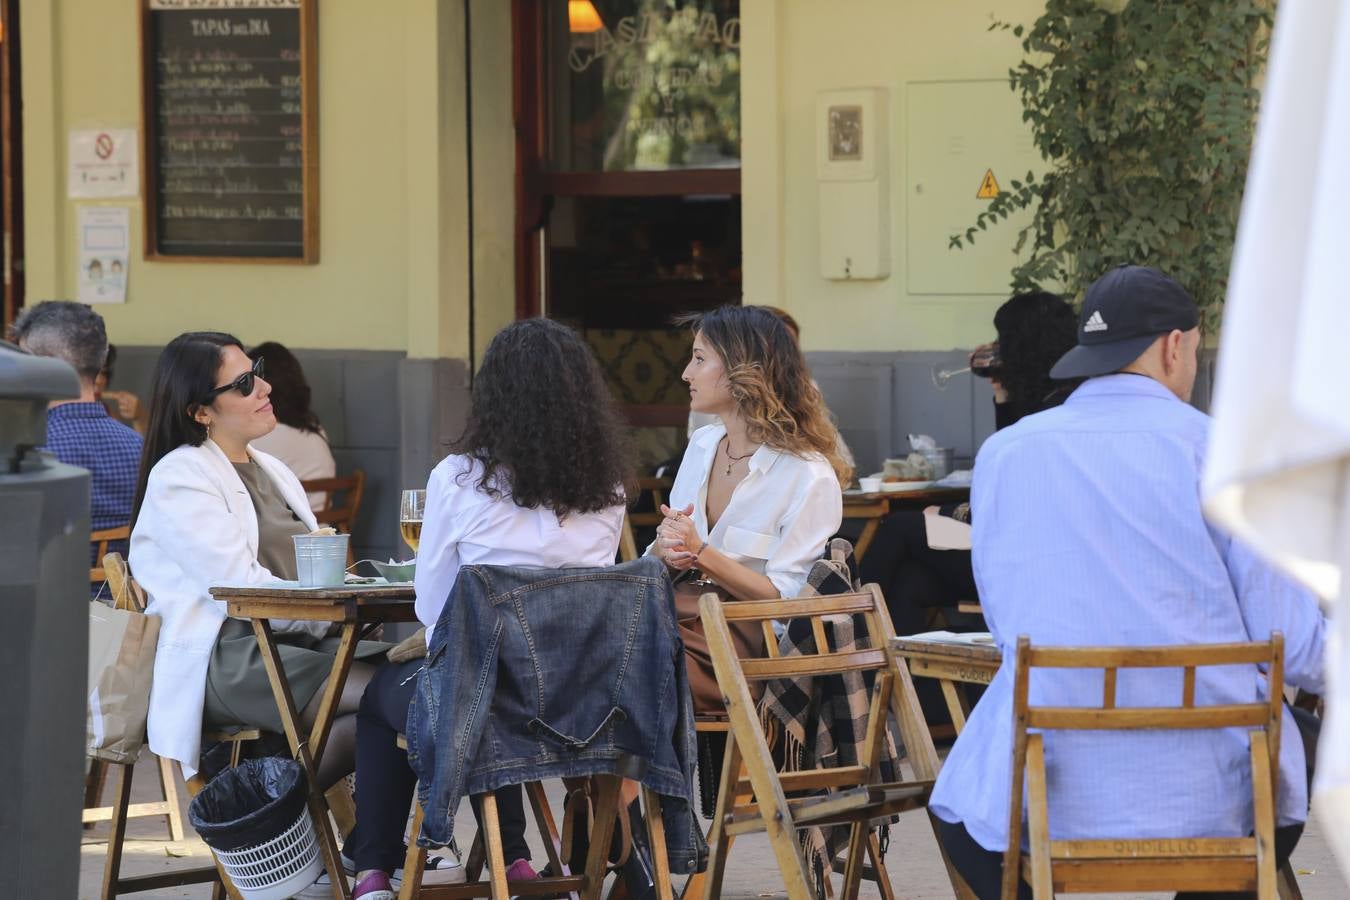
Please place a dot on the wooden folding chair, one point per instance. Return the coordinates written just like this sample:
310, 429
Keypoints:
487, 849
658, 487
340, 515
1141, 864
128, 594
856, 796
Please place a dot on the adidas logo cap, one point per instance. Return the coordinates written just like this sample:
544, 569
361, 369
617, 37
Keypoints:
1123, 312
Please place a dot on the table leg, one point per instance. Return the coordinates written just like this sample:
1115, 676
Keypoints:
865, 539
332, 691
290, 721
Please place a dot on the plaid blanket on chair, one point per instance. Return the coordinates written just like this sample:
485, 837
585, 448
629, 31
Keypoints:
821, 722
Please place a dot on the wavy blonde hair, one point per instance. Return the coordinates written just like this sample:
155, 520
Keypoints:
769, 381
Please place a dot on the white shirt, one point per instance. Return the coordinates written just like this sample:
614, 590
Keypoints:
462, 526
779, 516
306, 453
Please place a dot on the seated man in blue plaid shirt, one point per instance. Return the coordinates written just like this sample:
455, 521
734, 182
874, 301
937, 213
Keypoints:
80, 432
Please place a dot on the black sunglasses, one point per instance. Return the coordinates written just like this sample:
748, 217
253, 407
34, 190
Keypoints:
243, 384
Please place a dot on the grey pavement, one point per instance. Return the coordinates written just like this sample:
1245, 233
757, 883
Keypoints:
916, 870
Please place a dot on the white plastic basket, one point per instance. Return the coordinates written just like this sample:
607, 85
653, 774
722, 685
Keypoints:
279, 868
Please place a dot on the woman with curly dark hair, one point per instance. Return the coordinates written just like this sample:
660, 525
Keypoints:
536, 480
1034, 330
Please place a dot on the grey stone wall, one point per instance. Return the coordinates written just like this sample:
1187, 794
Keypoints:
384, 413
880, 398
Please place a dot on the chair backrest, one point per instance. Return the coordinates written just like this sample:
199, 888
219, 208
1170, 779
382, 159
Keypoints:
339, 515
658, 488
126, 592
101, 540
892, 689
1236, 864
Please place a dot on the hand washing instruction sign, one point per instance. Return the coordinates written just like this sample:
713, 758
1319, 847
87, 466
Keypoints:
103, 163
104, 245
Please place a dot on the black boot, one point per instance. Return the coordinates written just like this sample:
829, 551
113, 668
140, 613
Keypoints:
636, 875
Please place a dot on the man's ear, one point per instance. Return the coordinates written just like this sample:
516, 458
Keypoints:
1173, 347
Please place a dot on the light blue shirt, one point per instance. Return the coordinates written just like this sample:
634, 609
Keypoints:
1088, 531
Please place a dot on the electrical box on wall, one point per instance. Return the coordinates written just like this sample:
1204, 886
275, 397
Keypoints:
852, 174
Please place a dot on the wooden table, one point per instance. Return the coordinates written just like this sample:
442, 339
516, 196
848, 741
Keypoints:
873, 507
353, 607
950, 664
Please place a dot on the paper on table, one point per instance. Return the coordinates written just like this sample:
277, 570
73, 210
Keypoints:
946, 533
951, 637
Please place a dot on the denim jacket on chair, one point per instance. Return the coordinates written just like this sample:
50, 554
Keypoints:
545, 673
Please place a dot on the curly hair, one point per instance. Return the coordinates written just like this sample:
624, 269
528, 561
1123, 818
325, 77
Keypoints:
290, 395
1034, 330
769, 381
543, 424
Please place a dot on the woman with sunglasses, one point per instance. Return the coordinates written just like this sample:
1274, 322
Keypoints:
212, 510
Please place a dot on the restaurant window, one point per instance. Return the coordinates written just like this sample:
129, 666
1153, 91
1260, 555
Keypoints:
628, 201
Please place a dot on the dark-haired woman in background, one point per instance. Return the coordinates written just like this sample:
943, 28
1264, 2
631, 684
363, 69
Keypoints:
298, 440
210, 510
1034, 330
537, 480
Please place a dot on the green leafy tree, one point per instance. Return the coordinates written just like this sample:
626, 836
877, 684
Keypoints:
1144, 111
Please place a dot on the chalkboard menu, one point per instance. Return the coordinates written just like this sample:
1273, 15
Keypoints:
229, 109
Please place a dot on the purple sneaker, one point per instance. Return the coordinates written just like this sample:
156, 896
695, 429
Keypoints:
521, 870
374, 886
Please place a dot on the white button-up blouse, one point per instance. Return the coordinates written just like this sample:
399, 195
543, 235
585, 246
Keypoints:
779, 517
462, 526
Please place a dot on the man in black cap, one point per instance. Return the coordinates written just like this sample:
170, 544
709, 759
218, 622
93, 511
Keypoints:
1137, 320
1090, 532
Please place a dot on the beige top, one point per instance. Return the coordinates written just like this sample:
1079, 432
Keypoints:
276, 522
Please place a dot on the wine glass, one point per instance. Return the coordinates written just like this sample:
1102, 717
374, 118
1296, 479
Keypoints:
942, 376
410, 517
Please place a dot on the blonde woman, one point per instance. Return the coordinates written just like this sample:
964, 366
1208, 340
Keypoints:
759, 493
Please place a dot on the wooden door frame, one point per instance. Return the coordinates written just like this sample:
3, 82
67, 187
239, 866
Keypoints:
536, 186
11, 162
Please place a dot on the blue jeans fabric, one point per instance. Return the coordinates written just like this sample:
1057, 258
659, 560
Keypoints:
548, 673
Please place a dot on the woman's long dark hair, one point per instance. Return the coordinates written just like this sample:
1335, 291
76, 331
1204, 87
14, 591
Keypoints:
1034, 330
290, 390
185, 373
543, 424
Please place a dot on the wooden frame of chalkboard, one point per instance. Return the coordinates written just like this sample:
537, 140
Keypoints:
229, 130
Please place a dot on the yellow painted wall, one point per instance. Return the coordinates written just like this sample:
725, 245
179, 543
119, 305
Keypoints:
393, 197
791, 51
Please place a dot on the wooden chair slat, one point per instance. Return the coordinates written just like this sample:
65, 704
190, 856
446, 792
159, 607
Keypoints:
830, 604
814, 779
1155, 875
1169, 657
1109, 689
1188, 687
821, 664
1235, 715
1153, 848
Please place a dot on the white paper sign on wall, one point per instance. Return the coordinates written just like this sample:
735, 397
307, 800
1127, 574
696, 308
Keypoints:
103, 163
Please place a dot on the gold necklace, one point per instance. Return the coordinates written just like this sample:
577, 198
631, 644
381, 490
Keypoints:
735, 459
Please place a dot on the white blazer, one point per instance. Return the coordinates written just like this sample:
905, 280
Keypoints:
197, 528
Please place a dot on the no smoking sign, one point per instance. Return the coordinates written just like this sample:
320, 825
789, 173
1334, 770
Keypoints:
103, 163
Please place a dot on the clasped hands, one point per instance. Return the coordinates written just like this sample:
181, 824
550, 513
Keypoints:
677, 540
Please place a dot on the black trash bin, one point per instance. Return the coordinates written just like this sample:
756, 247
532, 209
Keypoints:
255, 818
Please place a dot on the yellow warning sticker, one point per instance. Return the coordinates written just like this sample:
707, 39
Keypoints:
989, 188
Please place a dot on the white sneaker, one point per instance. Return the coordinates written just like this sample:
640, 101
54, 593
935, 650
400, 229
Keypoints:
439, 870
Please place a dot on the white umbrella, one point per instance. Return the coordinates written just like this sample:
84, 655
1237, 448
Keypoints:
1278, 472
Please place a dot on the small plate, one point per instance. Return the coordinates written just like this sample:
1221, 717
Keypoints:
899, 487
